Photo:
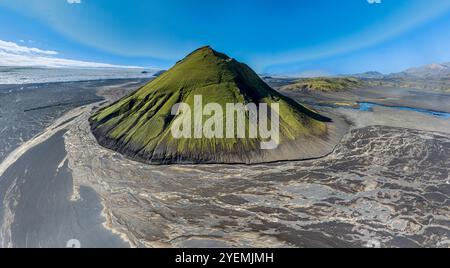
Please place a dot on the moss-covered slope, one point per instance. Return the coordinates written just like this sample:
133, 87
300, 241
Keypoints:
139, 125
325, 84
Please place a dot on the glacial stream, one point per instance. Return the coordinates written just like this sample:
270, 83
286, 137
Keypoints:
367, 107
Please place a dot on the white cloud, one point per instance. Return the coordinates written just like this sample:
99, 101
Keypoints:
74, 1
13, 48
12, 54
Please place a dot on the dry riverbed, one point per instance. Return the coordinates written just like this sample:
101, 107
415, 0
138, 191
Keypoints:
384, 186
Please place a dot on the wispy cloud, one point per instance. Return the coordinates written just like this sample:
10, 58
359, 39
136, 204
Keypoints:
13, 48
12, 54
74, 1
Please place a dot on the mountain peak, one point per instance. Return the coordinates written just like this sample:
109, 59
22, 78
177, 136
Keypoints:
204, 48
206, 51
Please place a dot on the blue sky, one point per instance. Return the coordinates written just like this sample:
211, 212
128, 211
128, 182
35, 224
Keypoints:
291, 37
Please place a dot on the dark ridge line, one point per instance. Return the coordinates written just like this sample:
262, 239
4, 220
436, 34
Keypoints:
62, 104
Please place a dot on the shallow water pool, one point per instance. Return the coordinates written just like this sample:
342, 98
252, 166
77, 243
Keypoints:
367, 107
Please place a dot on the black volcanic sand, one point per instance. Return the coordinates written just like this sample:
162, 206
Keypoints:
26, 110
37, 212
381, 187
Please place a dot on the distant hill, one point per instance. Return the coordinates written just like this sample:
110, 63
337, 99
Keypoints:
434, 70
325, 84
435, 77
369, 75
159, 73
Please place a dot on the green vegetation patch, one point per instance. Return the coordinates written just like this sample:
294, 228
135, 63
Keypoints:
325, 84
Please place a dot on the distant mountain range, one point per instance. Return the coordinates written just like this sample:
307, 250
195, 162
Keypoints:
434, 70
431, 70
434, 77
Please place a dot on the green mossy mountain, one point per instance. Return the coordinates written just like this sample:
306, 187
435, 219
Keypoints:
326, 84
139, 125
